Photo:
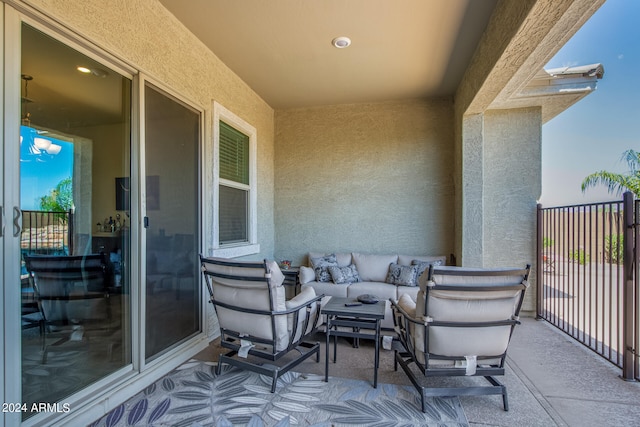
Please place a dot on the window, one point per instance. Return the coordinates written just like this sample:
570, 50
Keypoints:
235, 222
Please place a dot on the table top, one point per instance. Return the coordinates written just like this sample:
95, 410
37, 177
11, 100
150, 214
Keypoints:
336, 306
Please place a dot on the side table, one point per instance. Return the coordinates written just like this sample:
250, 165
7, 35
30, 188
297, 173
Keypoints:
291, 279
365, 317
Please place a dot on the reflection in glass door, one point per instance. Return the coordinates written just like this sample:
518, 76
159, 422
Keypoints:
172, 138
74, 145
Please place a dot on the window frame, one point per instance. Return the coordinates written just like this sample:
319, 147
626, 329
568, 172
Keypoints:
233, 250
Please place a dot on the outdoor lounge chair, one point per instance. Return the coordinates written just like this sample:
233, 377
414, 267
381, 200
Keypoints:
460, 325
72, 295
255, 320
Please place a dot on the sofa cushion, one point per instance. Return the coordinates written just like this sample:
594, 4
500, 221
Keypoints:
328, 289
380, 289
373, 268
402, 275
321, 267
344, 275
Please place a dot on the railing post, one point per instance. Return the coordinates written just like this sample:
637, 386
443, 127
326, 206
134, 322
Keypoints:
539, 264
70, 231
628, 291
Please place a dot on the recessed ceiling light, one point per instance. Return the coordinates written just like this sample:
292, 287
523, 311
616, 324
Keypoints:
98, 72
341, 42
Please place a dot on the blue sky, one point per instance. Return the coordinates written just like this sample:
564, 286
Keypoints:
592, 134
37, 177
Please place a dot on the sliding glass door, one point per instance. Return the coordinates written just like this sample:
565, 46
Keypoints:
100, 229
171, 203
74, 149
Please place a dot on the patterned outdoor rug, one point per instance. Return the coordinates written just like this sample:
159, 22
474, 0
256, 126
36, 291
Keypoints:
193, 395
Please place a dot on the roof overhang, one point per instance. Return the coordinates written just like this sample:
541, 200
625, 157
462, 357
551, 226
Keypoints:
554, 90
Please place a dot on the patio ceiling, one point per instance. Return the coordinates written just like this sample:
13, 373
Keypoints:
282, 48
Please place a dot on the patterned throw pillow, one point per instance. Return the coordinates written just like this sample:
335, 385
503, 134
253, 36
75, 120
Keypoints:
321, 267
402, 275
344, 275
423, 266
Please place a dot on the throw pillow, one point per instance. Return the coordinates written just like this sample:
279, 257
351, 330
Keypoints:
344, 275
423, 266
321, 267
402, 275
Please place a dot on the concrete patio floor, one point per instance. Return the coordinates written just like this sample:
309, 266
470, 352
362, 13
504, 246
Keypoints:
551, 380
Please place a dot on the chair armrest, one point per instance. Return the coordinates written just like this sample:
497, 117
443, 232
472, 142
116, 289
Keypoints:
295, 304
306, 275
409, 317
303, 314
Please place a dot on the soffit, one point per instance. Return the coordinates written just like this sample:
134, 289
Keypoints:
282, 48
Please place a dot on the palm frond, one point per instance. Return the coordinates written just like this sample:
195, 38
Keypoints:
632, 158
616, 183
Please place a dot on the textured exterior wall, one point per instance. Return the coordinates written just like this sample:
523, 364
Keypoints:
372, 178
146, 36
470, 208
512, 184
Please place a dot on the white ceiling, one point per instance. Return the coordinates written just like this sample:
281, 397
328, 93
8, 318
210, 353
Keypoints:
282, 48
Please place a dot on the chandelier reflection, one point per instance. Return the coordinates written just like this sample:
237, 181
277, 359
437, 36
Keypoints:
34, 147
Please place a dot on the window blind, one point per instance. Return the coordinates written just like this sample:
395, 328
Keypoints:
234, 154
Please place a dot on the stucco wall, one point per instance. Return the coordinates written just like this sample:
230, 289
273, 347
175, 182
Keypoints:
512, 184
373, 178
144, 35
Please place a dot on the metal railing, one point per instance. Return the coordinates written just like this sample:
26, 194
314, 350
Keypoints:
585, 287
46, 232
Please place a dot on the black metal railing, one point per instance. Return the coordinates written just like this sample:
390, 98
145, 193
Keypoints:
584, 287
47, 232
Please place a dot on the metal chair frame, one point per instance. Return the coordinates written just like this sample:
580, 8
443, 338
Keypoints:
231, 339
404, 322
70, 269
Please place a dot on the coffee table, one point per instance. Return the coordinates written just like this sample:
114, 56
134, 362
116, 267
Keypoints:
365, 317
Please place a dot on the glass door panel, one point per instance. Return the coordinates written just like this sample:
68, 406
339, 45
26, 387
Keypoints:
172, 138
74, 146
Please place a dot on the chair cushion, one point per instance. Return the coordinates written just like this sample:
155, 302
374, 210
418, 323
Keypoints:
305, 295
253, 295
373, 268
411, 291
407, 304
306, 275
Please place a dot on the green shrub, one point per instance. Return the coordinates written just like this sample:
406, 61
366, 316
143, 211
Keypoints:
614, 248
579, 256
